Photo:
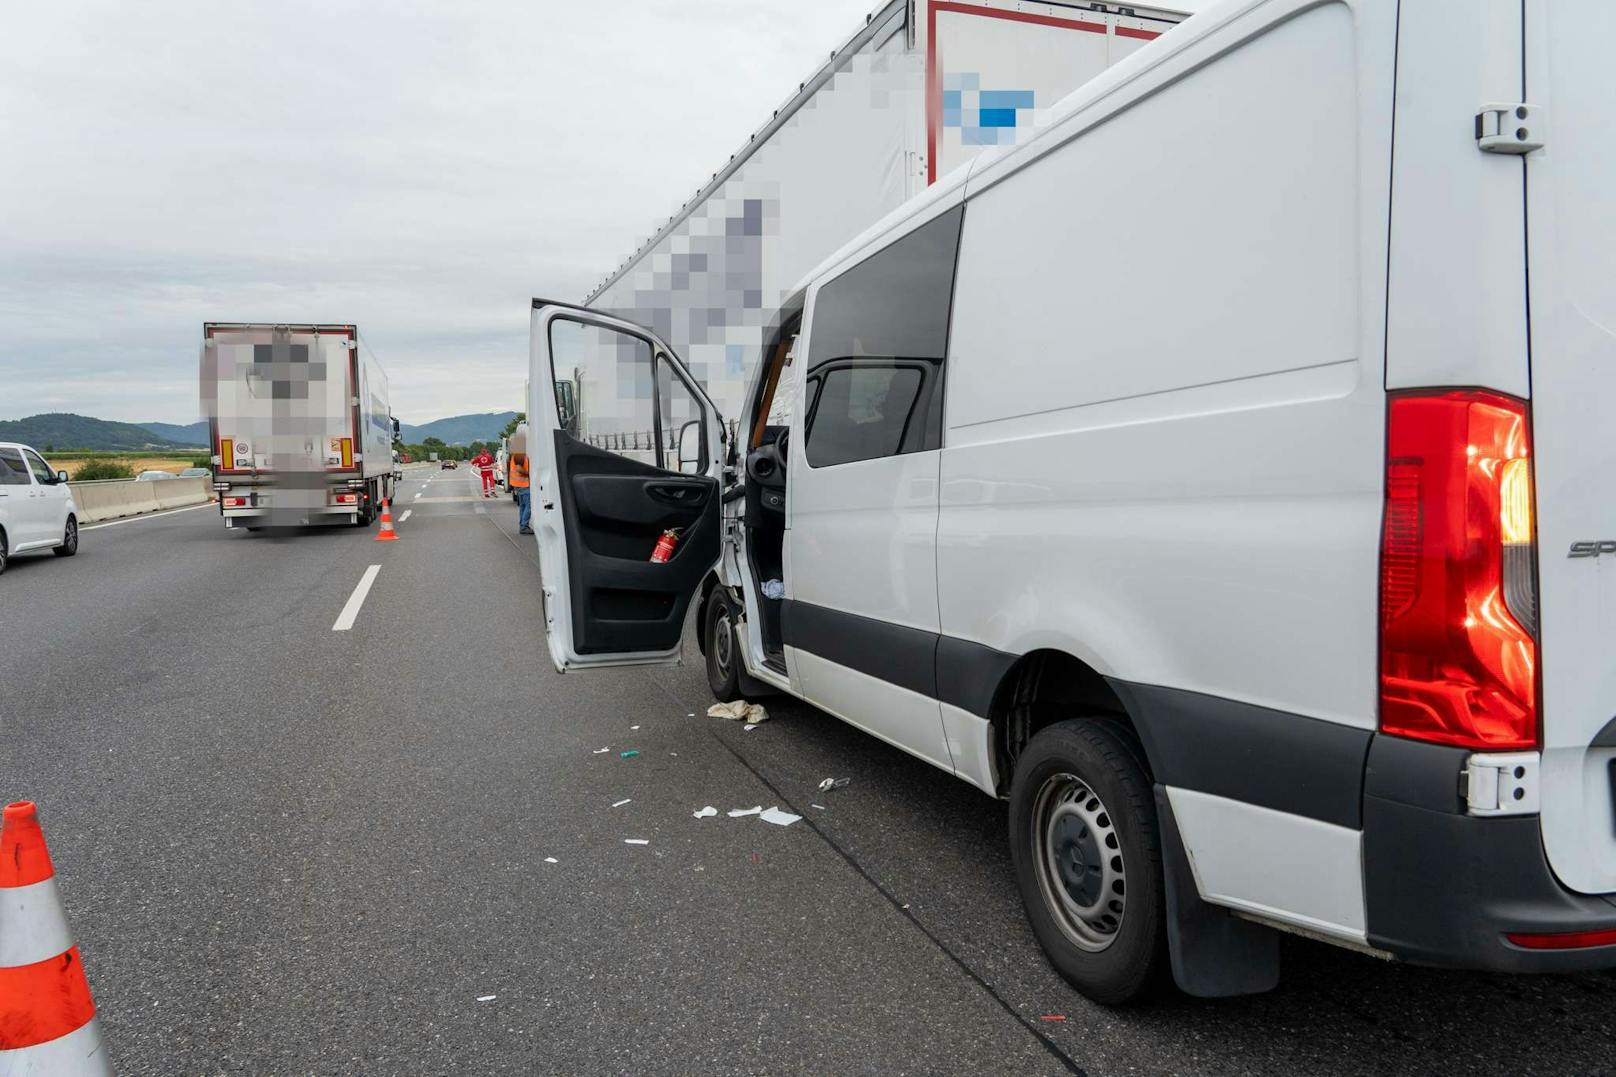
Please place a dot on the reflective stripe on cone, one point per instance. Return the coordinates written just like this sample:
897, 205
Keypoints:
47, 1016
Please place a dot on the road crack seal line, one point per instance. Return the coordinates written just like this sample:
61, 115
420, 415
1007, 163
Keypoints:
899, 907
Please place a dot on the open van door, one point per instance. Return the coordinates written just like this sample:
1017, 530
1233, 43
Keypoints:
626, 452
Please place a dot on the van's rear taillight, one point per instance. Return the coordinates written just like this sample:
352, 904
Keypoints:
1458, 657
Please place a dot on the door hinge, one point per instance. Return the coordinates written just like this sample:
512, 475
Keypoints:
1509, 127
1500, 784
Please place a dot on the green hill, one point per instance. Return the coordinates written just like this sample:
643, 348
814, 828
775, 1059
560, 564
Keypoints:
460, 429
63, 430
189, 434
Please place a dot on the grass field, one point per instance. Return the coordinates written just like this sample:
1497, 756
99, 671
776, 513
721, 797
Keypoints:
135, 462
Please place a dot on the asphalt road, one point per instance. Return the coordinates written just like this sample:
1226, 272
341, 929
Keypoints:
291, 849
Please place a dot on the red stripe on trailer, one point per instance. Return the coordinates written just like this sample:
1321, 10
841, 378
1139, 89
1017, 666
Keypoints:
43, 1001
934, 88
24, 860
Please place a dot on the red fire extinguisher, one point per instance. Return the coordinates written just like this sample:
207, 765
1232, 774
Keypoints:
664, 547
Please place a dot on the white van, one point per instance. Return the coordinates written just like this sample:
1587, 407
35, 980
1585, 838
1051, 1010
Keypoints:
36, 505
1223, 477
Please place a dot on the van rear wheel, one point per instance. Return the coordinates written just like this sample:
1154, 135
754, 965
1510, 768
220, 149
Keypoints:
1087, 858
723, 656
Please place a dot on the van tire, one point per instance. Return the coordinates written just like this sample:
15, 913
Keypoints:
70, 539
1081, 808
723, 652
2, 552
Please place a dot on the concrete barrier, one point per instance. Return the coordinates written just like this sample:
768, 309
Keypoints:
108, 499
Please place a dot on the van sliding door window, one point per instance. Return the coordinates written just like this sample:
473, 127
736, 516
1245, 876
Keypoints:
13, 472
877, 347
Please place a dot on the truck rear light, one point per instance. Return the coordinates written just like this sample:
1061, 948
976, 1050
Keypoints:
235, 502
1565, 940
345, 499
1458, 661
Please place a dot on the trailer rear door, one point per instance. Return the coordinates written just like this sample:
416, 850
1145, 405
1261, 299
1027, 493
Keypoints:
1571, 253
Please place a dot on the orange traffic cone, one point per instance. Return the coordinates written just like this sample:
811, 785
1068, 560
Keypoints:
47, 1017
386, 534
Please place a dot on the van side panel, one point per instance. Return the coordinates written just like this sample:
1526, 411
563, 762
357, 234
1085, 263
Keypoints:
1456, 313
1165, 412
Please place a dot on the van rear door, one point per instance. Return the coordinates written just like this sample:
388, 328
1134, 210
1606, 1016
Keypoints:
1571, 255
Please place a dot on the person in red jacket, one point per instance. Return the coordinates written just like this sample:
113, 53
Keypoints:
484, 463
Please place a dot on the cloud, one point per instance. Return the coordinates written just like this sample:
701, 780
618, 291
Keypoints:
421, 170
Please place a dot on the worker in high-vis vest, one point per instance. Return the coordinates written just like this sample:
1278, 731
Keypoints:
520, 484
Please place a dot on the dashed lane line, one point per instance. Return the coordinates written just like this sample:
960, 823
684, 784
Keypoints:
350, 612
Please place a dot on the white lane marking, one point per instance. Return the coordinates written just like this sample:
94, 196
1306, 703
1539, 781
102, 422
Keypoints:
148, 516
406, 515
345, 619
418, 493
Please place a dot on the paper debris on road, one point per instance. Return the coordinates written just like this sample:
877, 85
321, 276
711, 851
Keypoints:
600, 751
486, 998
739, 710
625, 800
738, 812
833, 783
821, 807
630, 754
551, 860
779, 818
706, 812
634, 727
636, 841
748, 728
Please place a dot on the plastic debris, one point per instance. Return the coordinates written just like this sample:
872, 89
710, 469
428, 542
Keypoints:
634, 727
625, 800
602, 751
738, 812
630, 754
833, 783
551, 860
774, 589
706, 812
636, 841
1047, 1016
748, 728
779, 818
486, 998
821, 807
738, 710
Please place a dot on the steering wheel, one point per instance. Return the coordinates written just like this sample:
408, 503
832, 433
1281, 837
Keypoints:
766, 464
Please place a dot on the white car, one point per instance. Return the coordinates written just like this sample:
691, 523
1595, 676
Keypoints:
1231, 494
36, 506
154, 476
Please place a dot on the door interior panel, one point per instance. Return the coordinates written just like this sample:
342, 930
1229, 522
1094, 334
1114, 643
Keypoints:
621, 600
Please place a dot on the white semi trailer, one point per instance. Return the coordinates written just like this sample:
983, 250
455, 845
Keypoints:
300, 423
917, 92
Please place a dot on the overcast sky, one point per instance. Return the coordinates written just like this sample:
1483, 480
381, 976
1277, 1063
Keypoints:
419, 169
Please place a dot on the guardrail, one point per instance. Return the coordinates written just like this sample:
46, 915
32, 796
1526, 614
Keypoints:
109, 499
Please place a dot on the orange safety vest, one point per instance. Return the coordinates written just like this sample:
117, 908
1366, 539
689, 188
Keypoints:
519, 472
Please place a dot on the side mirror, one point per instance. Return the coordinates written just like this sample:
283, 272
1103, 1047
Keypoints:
690, 447
61, 476
396, 429
567, 406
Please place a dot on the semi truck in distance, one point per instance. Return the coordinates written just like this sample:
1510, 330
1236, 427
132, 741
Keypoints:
300, 424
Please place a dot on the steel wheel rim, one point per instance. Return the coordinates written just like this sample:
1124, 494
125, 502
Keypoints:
1077, 857
723, 643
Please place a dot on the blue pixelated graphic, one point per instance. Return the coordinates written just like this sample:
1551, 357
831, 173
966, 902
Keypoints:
983, 117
